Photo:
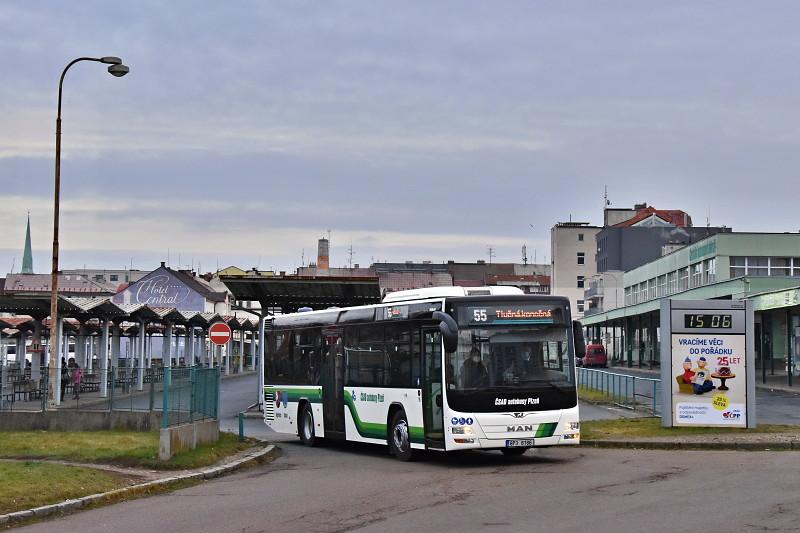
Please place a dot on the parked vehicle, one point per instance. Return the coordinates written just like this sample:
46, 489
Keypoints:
595, 356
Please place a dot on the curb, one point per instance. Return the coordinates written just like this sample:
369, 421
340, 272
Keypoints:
660, 445
68, 506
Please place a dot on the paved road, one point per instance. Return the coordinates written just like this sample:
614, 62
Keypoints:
344, 488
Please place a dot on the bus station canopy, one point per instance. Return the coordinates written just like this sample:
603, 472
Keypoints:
291, 293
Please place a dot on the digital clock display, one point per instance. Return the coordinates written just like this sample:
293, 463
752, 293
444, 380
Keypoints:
706, 320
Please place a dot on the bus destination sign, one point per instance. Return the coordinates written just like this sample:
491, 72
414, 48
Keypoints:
508, 314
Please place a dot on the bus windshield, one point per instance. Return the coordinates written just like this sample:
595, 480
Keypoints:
499, 359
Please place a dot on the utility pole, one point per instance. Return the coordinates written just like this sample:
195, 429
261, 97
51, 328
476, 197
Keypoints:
491, 254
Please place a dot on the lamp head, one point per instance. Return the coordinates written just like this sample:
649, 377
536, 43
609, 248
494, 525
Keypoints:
118, 70
111, 60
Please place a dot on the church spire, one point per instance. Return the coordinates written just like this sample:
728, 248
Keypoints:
27, 258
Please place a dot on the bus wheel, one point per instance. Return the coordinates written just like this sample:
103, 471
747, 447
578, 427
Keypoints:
306, 426
399, 440
513, 452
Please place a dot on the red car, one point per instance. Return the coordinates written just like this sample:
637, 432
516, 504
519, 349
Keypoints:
595, 356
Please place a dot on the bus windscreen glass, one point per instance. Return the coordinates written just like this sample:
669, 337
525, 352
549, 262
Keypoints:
517, 366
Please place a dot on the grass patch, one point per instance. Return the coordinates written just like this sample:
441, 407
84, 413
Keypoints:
27, 484
627, 428
593, 396
125, 448
203, 455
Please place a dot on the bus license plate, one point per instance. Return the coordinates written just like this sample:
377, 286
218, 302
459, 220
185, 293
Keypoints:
517, 443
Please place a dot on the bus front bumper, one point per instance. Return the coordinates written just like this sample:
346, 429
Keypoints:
496, 444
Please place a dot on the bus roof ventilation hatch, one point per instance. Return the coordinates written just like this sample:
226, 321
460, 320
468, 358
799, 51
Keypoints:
479, 292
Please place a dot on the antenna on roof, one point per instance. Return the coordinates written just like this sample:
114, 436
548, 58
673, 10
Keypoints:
524, 254
491, 254
350, 254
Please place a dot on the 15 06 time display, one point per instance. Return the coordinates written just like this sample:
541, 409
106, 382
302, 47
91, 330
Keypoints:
707, 320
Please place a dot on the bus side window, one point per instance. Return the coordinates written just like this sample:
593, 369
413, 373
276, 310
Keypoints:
398, 350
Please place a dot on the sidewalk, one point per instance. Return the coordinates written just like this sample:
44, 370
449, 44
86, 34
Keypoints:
712, 441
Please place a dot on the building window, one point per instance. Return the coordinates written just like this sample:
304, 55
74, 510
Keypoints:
581, 258
628, 297
643, 292
113, 277
738, 267
757, 266
683, 279
780, 266
581, 281
662, 286
796, 262
672, 282
580, 306
710, 267
580, 237
697, 274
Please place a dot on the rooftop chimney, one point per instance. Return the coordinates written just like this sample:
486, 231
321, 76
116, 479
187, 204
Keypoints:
322, 254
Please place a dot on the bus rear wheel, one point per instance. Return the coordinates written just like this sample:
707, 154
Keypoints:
399, 439
306, 426
513, 452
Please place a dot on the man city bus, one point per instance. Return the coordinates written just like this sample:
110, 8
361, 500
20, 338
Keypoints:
443, 368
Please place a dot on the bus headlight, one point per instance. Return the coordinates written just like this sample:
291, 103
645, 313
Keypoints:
462, 430
572, 426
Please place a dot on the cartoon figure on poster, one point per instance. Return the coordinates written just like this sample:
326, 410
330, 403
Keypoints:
696, 379
702, 377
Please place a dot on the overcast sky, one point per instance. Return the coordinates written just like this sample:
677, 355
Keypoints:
414, 130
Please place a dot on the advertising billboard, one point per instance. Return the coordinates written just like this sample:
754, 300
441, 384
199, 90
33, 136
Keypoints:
707, 363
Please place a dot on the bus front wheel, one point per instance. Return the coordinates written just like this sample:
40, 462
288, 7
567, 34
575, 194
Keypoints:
306, 426
399, 439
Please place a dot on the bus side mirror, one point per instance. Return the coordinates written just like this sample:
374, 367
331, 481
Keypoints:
449, 330
580, 343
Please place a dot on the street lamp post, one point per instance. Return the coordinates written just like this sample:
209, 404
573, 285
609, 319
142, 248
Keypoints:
118, 70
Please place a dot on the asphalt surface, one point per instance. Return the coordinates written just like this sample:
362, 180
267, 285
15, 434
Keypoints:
359, 487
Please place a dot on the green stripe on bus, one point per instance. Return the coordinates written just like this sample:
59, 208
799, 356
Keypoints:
546, 430
376, 430
313, 395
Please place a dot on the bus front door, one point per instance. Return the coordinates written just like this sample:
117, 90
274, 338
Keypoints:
333, 384
432, 400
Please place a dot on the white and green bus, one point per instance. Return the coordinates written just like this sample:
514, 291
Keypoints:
446, 368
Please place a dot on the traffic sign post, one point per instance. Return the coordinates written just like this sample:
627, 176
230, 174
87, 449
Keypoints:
219, 333
707, 363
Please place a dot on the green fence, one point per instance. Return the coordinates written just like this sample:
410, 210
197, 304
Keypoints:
189, 394
624, 390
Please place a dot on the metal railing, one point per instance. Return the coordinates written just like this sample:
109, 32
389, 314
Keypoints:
630, 392
189, 394
22, 387
182, 394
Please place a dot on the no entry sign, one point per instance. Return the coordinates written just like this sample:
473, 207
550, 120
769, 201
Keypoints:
219, 333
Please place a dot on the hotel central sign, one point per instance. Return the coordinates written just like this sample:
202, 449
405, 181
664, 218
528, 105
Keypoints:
162, 289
